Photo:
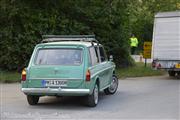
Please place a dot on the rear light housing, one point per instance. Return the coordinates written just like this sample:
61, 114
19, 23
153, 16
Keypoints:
159, 65
88, 75
153, 64
156, 65
23, 75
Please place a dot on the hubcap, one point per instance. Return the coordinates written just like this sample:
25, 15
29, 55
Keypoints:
114, 85
96, 92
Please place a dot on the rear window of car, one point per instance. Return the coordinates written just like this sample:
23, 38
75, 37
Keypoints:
59, 57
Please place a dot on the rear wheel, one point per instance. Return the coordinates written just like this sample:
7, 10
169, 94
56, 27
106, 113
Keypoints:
171, 73
92, 100
113, 86
32, 99
178, 74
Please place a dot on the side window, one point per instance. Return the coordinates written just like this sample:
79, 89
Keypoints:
103, 56
93, 56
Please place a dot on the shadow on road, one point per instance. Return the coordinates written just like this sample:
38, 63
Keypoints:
76, 103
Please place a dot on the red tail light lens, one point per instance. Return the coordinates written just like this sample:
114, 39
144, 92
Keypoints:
153, 64
88, 75
159, 65
23, 75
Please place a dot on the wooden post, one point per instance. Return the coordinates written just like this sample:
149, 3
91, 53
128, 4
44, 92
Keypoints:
145, 62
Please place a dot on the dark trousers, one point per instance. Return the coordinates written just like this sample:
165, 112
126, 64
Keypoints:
133, 49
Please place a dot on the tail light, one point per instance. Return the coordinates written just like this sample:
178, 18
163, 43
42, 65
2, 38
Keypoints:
159, 65
153, 64
88, 75
23, 75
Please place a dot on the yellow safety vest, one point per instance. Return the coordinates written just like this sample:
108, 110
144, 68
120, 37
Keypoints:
134, 42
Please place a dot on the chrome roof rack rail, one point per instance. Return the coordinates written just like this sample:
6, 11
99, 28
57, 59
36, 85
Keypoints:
60, 38
68, 36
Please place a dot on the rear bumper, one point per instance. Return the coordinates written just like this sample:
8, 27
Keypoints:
58, 91
166, 64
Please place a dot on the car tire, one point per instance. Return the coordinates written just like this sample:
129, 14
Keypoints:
113, 86
92, 100
171, 73
32, 99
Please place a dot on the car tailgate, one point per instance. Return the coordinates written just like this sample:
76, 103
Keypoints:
72, 75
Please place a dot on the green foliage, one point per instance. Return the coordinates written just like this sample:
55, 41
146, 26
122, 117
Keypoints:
142, 16
9, 77
112, 21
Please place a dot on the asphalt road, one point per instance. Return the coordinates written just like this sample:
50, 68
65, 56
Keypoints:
137, 98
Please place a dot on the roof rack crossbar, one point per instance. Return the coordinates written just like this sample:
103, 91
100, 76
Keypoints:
85, 38
67, 36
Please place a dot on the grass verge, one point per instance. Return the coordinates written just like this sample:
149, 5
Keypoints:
139, 70
9, 77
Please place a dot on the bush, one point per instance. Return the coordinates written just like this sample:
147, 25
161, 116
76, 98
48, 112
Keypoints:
23, 21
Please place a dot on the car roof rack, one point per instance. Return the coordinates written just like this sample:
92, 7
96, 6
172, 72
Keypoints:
61, 38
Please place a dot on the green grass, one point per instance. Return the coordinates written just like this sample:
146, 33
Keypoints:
9, 77
139, 70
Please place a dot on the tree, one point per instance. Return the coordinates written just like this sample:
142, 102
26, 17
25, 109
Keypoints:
142, 14
112, 21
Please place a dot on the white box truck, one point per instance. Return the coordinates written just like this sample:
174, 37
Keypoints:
166, 42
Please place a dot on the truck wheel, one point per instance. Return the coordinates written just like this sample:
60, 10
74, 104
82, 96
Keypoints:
92, 100
178, 75
32, 99
171, 73
113, 86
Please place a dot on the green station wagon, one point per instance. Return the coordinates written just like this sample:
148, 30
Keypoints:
69, 65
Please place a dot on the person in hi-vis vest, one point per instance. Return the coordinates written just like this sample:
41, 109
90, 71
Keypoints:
133, 44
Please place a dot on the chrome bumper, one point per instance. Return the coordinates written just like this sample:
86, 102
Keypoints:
54, 91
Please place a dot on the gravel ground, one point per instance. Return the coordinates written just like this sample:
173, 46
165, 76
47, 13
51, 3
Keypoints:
137, 98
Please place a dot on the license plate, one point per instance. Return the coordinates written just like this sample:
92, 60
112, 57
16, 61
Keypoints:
177, 65
55, 83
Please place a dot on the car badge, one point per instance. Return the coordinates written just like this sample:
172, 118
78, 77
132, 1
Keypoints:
55, 72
